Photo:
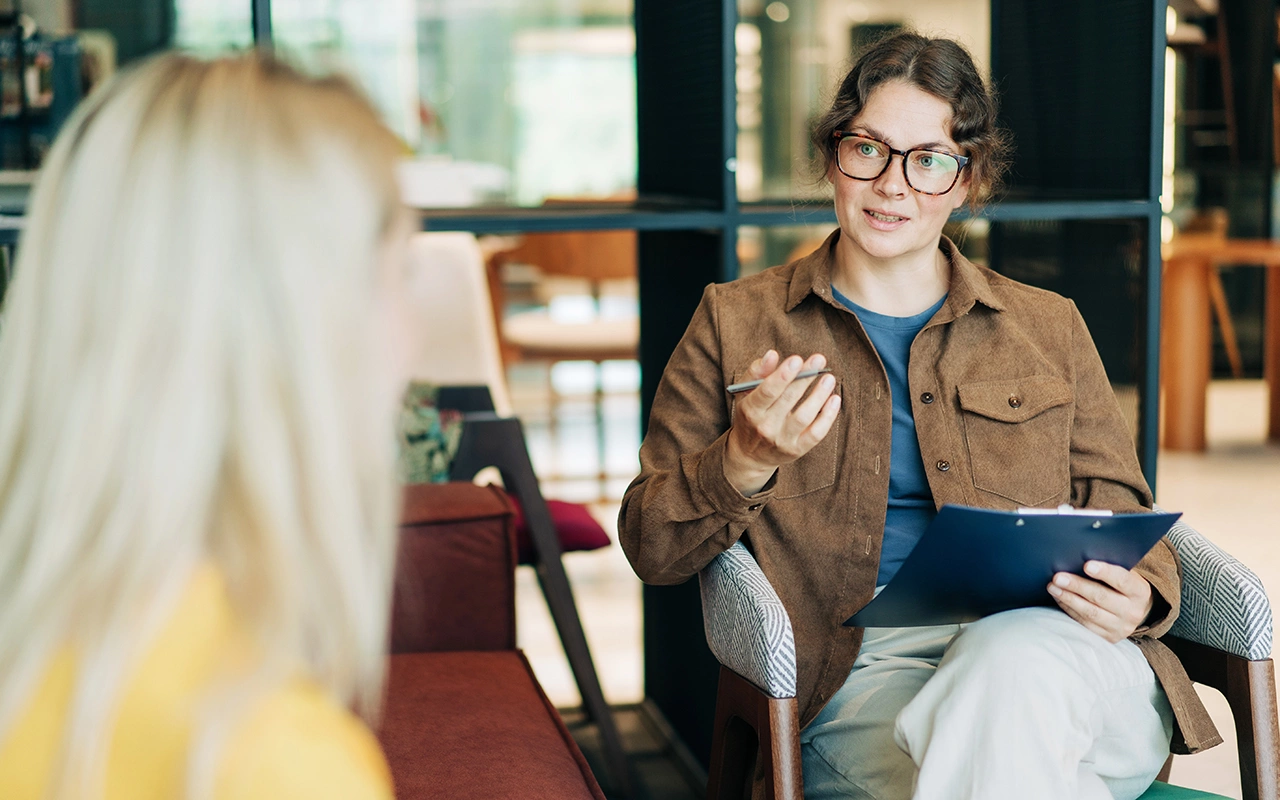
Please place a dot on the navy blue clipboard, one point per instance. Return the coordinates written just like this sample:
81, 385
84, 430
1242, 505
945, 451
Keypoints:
972, 562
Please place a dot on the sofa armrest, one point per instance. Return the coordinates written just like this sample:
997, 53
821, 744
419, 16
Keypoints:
1224, 604
455, 571
746, 624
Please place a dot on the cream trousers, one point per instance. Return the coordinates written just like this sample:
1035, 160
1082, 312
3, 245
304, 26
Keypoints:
1022, 705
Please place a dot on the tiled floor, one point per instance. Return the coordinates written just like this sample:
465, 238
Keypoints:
1231, 493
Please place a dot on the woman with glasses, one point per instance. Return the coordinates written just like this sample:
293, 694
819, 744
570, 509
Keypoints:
946, 383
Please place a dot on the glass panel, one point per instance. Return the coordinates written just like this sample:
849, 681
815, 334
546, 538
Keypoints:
761, 248
792, 54
1076, 94
502, 102
62, 65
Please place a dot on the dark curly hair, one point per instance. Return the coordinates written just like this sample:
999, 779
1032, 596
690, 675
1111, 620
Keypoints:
944, 69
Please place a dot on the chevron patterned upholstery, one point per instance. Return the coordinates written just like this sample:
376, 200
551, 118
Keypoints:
747, 627
1223, 606
1223, 603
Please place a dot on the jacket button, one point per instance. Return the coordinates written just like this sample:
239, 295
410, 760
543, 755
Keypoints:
1015, 402
926, 398
943, 466
754, 507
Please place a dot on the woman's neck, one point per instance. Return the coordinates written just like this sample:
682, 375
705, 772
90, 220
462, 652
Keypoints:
898, 287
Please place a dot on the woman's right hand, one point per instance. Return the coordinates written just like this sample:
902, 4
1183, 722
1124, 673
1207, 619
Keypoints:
775, 423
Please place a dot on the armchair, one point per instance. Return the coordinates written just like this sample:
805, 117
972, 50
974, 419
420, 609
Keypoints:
1223, 637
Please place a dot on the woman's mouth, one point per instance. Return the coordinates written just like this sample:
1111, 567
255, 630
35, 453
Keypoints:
883, 221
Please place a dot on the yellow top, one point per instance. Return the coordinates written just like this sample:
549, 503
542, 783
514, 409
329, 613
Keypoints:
293, 743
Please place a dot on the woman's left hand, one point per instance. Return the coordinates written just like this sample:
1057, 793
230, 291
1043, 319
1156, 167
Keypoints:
1113, 605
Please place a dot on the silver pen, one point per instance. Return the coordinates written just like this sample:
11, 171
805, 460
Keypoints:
746, 386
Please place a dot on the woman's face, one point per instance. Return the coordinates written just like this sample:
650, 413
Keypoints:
885, 218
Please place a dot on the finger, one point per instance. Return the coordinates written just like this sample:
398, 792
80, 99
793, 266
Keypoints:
1100, 594
1087, 613
821, 426
795, 390
768, 392
1124, 581
763, 365
1084, 622
807, 411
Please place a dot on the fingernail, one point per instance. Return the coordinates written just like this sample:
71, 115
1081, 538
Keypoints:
835, 401
794, 362
1061, 580
1091, 567
1055, 591
828, 381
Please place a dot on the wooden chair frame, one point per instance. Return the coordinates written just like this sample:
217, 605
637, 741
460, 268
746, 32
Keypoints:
753, 728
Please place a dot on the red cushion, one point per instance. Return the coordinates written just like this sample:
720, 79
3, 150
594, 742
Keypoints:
575, 527
477, 726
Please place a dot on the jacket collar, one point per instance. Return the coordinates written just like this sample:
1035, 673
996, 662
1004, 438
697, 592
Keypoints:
969, 284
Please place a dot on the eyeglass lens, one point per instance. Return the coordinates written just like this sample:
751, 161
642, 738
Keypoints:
927, 171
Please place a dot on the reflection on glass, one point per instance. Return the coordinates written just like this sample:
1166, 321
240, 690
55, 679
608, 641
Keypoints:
761, 248
791, 54
502, 102
212, 26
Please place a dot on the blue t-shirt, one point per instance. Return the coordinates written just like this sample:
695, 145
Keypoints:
910, 501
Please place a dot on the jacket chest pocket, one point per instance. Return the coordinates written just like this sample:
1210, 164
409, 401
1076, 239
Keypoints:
1018, 436
815, 469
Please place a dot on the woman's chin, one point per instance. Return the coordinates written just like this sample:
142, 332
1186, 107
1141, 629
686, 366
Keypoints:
881, 245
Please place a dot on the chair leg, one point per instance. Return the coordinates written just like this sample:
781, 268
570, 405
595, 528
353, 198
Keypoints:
748, 720
1251, 693
1218, 295
500, 442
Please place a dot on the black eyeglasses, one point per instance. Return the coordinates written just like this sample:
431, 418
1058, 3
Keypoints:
930, 172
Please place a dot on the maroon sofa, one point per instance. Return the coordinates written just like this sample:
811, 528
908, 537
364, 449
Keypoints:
464, 715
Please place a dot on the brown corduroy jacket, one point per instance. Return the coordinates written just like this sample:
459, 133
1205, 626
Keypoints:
817, 526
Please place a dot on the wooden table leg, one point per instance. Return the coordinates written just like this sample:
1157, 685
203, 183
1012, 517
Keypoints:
1271, 352
1186, 350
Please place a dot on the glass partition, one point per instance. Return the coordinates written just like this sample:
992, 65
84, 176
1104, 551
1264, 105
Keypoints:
506, 102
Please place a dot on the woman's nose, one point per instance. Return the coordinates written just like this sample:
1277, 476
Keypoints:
892, 182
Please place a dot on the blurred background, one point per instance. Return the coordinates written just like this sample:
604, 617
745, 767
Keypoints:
611, 157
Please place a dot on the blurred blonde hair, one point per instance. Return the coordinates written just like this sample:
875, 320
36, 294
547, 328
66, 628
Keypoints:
187, 379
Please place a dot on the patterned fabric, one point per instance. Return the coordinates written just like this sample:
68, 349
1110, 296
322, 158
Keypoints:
429, 436
747, 627
1223, 606
1223, 603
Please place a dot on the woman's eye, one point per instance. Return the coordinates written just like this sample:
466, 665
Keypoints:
927, 161
868, 150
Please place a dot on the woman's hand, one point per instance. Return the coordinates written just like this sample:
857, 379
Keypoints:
775, 423
1113, 605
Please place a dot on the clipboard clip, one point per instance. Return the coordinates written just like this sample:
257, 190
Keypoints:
1066, 510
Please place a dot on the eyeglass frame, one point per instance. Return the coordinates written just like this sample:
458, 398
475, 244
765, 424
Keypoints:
963, 161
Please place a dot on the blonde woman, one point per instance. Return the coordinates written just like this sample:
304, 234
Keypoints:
203, 350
